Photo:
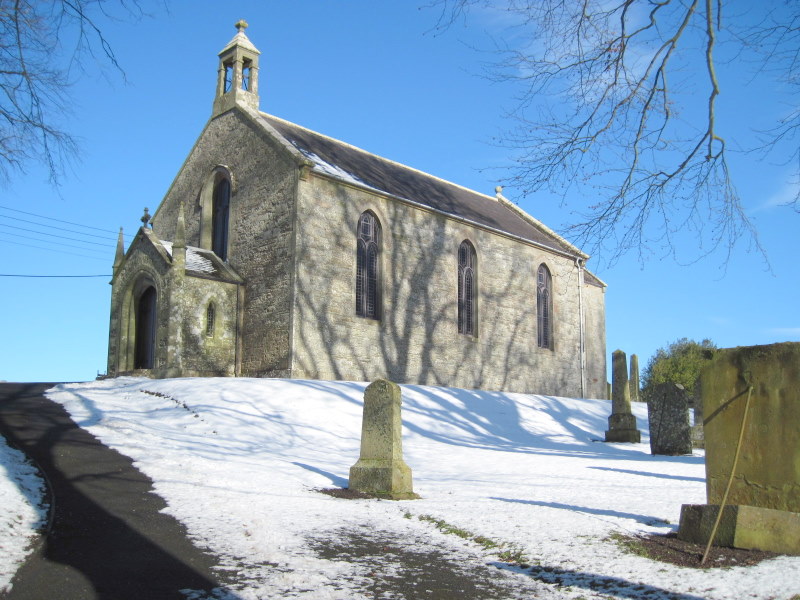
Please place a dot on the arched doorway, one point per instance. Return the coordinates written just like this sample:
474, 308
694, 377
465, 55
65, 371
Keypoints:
144, 355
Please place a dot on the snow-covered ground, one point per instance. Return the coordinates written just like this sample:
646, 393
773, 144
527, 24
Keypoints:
238, 461
23, 512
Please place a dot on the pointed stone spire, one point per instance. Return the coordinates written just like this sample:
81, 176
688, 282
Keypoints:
120, 255
179, 242
237, 75
180, 229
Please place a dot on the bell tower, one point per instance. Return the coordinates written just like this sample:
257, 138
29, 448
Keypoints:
237, 76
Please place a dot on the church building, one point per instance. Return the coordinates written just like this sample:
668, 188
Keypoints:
280, 252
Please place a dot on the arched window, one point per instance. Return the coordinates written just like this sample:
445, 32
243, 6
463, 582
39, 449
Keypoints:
544, 308
368, 245
219, 217
211, 314
466, 288
145, 343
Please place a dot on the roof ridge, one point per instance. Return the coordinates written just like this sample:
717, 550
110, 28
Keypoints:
378, 156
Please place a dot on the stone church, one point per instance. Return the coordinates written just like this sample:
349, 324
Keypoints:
281, 252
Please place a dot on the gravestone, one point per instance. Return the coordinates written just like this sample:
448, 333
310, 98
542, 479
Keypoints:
762, 509
634, 380
621, 423
696, 406
668, 413
380, 469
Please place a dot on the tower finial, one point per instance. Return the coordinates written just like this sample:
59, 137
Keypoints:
241, 25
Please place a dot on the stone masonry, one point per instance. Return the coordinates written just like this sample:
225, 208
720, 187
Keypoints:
284, 293
634, 379
668, 413
622, 422
381, 469
763, 507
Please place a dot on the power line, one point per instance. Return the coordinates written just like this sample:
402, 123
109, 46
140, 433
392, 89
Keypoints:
30, 214
105, 253
50, 276
54, 250
102, 237
63, 237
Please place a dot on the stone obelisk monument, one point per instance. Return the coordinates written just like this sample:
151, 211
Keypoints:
621, 423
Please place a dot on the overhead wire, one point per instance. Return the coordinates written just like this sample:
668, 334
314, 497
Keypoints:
109, 241
35, 239
64, 237
51, 276
102, 237
30, 214
53, 250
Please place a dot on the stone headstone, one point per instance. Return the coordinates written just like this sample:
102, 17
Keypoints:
634, 379
621, 423
763, 506
696, 410
668, 413
380, 469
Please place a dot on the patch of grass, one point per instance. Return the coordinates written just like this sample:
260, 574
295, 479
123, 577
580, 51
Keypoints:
630, 544
446, 527
507, 552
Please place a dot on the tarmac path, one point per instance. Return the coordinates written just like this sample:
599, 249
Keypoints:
107, 538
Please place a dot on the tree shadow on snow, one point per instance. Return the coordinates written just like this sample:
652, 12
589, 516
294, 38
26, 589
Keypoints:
603, 584
644, 519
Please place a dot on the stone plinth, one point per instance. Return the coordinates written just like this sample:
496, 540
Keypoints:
380, 468
621, 423
668, 413
741, 526
768, 472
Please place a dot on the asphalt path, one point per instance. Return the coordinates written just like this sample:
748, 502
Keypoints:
107, 538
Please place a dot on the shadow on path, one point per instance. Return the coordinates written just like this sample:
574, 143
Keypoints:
107, 537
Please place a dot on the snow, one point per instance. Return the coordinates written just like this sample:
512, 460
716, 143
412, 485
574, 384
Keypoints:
194, 260
239, 462
23, 513
322, 166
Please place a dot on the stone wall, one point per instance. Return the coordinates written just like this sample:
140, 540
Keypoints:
417, 339
263, 181
207, 354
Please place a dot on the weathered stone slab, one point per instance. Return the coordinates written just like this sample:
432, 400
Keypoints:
768, 474
668, 413
621, 423
380, 468
742, 526
764, 497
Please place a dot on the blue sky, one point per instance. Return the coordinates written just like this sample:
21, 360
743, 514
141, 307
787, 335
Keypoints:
376, 76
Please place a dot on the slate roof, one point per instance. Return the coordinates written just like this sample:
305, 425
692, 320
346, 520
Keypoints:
201, 262
358, 166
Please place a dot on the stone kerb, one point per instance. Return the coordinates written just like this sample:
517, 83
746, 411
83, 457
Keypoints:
763, 506
622, 422
668, 413
380, 469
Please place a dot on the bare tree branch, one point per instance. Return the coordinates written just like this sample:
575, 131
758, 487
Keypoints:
41, 43
606, 87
